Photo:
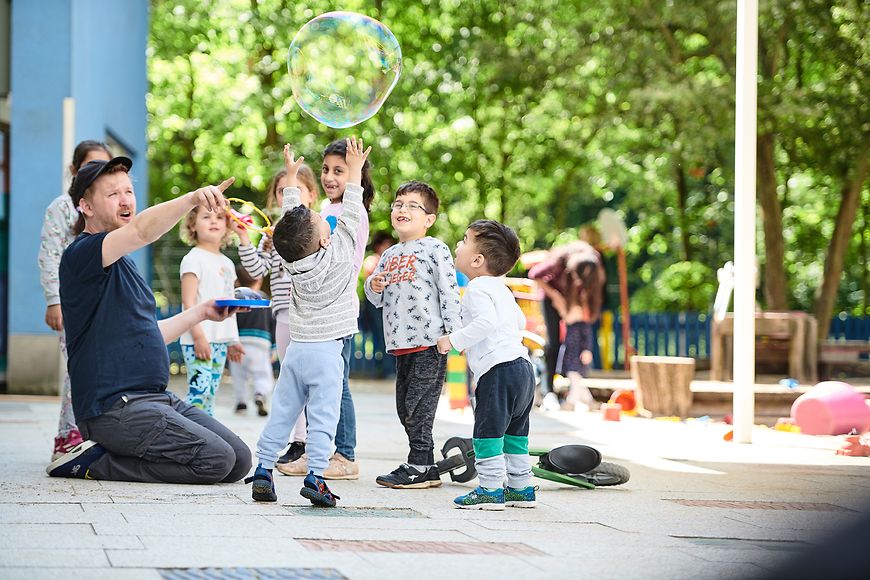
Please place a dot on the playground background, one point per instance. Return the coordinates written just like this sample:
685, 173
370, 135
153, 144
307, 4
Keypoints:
536, 113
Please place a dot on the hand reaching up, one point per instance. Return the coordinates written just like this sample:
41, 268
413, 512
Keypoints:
292, 165
355, 159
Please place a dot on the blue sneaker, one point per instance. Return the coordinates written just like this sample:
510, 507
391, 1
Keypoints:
263, 488
481, 499
520, 497
316, 491
77, 462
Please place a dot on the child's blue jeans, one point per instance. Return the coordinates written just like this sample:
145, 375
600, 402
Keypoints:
311, 377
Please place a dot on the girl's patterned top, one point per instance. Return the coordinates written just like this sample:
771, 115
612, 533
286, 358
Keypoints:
60, 217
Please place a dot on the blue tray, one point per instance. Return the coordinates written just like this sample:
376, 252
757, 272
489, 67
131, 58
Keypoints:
236, 303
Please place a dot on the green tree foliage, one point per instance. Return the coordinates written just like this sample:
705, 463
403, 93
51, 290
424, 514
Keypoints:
541, 113
681, 286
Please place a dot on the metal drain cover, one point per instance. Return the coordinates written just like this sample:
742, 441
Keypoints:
356, 512
251, 574
411, 547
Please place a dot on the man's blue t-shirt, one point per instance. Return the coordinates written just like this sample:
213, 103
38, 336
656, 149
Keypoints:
109, 314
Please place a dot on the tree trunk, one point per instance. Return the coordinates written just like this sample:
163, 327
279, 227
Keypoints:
682, 202
186, 135
562, 193
770, 50
851, 196
502, 198
865, 262
775, 288
267, 82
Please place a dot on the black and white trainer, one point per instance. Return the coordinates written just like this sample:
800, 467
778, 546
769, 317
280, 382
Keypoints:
409, 477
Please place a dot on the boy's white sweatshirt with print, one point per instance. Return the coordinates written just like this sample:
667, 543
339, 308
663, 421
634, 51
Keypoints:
421, 300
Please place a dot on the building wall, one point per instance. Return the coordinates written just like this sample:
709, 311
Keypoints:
94, 52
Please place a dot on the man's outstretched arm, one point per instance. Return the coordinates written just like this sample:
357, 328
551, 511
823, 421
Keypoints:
148, 226
172, 328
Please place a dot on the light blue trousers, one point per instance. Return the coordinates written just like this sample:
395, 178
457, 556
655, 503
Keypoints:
311, 378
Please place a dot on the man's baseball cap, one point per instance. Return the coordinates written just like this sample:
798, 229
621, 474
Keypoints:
89, 173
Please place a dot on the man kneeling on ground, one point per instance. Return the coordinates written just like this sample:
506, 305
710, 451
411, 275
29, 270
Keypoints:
118, 364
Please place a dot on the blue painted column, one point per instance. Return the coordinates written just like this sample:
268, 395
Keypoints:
40, 79
94, 52
109, 82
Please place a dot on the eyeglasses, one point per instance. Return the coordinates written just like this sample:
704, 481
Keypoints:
410, 206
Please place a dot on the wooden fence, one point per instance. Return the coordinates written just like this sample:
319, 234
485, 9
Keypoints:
662, 333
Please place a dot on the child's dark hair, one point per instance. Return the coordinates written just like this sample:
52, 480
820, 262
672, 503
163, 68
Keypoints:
430, 198
295, 236
243, 277
82, 149
498, 244
380, 238
339, 147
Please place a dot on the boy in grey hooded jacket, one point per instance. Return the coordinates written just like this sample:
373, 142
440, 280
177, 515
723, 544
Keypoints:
323, 276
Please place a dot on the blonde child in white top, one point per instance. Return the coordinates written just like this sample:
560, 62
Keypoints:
205, 274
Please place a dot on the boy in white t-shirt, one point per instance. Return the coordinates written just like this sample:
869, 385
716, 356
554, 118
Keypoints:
491, 336
205, 274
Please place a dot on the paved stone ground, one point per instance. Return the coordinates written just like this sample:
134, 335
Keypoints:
695, 507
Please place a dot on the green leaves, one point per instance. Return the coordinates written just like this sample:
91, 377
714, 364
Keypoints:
538, 113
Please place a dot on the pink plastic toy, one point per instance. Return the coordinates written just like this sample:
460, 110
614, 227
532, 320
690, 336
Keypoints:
831, 408
611, 411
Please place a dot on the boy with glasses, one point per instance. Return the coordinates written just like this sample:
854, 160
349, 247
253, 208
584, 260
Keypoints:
415, 283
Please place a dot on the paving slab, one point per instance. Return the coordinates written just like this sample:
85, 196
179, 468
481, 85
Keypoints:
696, 506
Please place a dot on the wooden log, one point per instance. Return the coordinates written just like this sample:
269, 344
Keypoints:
663, 384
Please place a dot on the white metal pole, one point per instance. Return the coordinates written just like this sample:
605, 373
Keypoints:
68, 146
69, 130
744, 220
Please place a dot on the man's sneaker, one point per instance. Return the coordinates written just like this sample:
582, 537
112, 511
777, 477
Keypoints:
340, 467
77, 462
263, 488
241, 408
407, 477
481, 499
63, 445
317, 492
260, 401
520, 497
298, 468
294, 452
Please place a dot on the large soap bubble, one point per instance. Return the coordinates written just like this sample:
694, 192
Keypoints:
342, 67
